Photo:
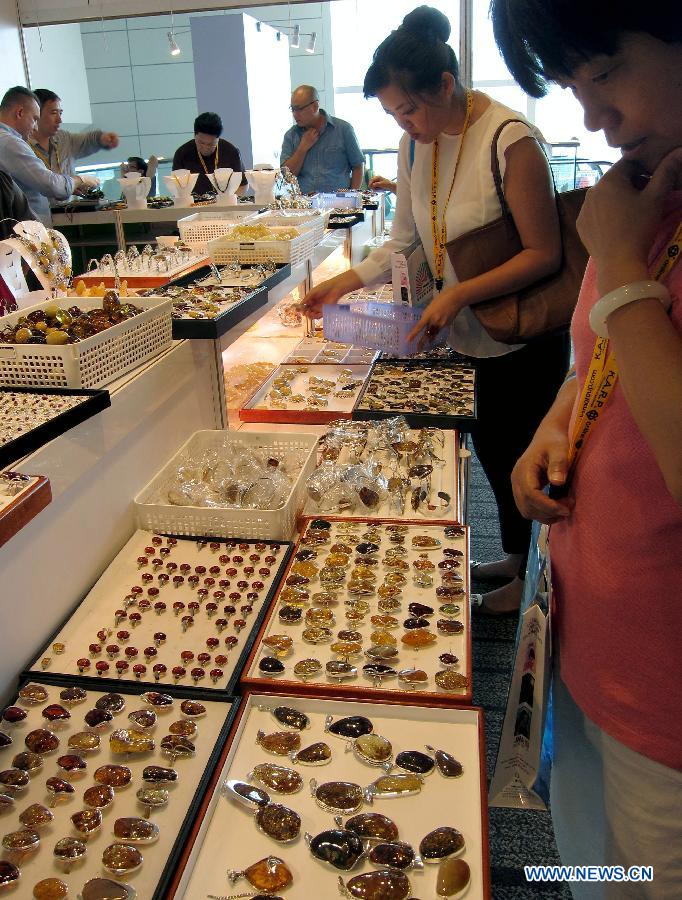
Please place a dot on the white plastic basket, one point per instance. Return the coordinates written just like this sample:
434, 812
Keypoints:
381, 326
296, 250
340, 200
312, 219
95, 361
267, 524
200, 228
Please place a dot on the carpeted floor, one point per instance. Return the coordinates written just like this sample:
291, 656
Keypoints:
517, 837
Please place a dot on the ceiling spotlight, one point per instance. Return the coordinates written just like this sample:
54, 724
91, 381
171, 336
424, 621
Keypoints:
295, 42
174, 48
311, 43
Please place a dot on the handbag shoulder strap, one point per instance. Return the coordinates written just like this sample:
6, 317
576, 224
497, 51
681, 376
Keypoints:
495, 164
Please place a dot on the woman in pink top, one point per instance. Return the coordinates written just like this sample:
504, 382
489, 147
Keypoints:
616, 537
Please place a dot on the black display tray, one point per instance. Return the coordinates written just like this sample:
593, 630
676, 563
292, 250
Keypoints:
93, 682
358, 216
211, 329
94, 402
234, 703
417, 420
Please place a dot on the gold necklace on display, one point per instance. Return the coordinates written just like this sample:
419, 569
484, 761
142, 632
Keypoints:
440, 234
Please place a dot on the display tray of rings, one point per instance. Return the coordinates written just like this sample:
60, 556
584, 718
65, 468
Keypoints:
372, 610
318, 350
30, 417
345, 218
168, 613
205, 307
427, 392
99, 785
384, 469
297, 395
22, 497
158, 271
376, 801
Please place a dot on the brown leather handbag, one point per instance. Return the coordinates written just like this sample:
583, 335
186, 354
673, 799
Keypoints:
542, 307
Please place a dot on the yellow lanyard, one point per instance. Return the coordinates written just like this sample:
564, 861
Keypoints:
47, 157
440, 232
602, 373
215, 160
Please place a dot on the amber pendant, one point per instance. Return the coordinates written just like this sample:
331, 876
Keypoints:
395, 855
398, 785
419, 639
450, 626
441, 843
340, 670
105, 889
317, 754
279, 779
447, 680
381, 885
338, 847
373, 750
415, 761
454, 876
121, 859
130, 740
159, 775
413, 678
290, 718
381, 654
268, 874
279, 743
372, 827
133, 830
342, 797
247, 794
279, 822
448, 766
378, 672
349, 727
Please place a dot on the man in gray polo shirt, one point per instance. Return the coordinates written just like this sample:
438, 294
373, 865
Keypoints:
321, 150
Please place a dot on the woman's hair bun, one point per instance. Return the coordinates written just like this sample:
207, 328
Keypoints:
428, 23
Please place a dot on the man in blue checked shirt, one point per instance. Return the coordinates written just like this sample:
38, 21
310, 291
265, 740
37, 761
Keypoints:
321, 150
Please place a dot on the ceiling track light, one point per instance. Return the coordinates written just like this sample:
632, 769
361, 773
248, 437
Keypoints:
295, 39
174, 48
311, 43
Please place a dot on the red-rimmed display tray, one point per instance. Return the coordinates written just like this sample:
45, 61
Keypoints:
459, 802
426, 659
258, 409
17, 511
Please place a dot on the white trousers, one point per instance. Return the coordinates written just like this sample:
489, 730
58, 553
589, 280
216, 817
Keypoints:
613, 806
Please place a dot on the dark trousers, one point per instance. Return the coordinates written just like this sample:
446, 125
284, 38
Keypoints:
515, 391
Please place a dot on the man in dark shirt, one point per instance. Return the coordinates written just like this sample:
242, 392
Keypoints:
208, 152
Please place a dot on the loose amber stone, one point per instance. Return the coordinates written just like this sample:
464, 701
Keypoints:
113, 776
36, 816
419, 639
50, 889
99, 796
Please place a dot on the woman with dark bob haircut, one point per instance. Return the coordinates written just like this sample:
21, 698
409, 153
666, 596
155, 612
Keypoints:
446, 151
616, 537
